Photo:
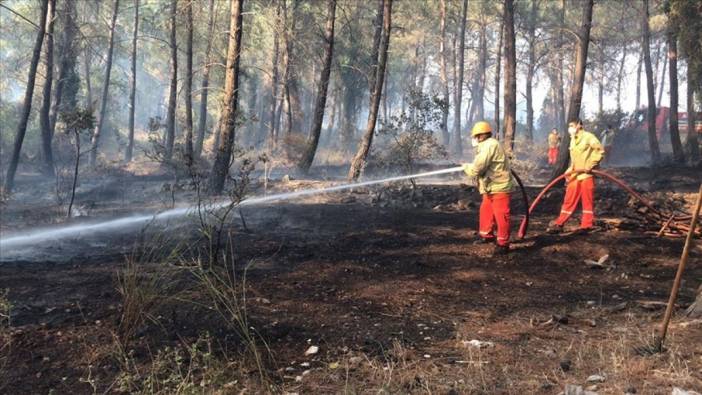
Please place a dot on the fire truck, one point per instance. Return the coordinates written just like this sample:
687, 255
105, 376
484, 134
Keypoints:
632, 138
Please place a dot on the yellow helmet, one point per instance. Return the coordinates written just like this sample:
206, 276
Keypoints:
481, 127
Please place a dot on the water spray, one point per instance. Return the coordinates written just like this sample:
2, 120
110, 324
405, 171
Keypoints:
29, 239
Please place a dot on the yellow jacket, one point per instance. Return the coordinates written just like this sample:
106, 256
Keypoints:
491, 167
586, 152
553, 140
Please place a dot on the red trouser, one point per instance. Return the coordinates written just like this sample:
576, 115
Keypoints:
583, 190
552, 155
495, 209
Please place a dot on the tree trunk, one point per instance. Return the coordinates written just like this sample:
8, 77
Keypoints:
693, 147
695, 309
272, 128
173, 91
457, 141
132, 85
377, 34
662, 84
498, 70
220, 168
638, 80
189, 85
600, 94
359, 159
576, 88
531, 66
44, 116
75, 173
478, 94
68, 77
652, 138
204, 92
349, 118
295, 112
620, 78
510, 119
27, 104
87, 61
105, 88
560, 96
313, 140
332, 117
251, 81
678, 153
443, 74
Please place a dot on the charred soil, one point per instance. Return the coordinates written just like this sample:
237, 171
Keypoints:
388, 287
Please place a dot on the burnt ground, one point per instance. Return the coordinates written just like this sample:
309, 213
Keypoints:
389, 288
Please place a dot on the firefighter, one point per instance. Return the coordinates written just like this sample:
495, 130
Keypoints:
491, 167
586, 152
554, 141
607, 142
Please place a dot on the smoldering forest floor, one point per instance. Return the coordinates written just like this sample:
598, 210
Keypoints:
389, 288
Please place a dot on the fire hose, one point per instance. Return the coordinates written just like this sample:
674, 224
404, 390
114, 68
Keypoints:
525, 199
667, 220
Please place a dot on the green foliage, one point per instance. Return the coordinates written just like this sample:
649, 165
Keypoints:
410, 137
686, 15
181, 369
77, 120
601, 121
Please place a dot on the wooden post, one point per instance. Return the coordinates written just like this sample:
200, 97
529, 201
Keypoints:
678, 276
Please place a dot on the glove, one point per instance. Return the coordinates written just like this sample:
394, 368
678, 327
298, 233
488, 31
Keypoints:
466, 168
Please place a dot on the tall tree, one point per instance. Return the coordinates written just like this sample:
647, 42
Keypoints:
651, 114
510, 119
560, 96
359, 159
443, 73
313, 140
273, 127
105, 87
498, 69
661, 87
375, 49
620, 76
223, 155
68, 83
189, 83
671, 33
27, 104
173, 90
477, 107
691, 142
576, 87
44, 116
292, 83
132, 85
205, 84
638, 80
458, 143
531, 70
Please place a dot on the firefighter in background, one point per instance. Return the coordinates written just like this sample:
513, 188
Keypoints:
491, 167
586, 152
607, 142
554, 141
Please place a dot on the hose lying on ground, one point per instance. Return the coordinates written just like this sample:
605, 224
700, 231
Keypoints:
667, 220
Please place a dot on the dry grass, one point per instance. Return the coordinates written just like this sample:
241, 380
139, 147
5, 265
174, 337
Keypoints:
5, 336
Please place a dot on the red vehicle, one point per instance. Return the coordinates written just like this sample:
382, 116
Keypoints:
639, 122
633, 132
